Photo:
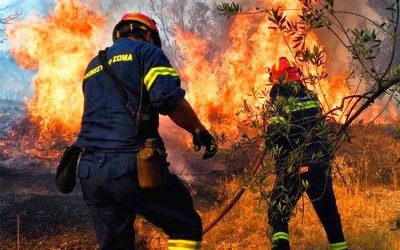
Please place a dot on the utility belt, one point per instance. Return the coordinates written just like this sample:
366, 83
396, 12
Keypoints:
151, 164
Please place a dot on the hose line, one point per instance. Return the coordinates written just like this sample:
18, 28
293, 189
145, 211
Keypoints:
235, 198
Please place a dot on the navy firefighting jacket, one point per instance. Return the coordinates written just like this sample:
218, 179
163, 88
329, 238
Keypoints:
296, 125
106, 123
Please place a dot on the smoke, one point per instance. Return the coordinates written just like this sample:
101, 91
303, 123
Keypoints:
115, 9
14, 81
339, 59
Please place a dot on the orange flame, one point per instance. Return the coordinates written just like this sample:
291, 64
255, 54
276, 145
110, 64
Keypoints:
217, 87
59, 47
381, 113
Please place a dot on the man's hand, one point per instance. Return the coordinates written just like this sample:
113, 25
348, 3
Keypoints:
203, 138
184, 116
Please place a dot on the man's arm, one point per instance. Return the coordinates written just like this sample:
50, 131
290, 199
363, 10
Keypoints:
184, 116
163, 84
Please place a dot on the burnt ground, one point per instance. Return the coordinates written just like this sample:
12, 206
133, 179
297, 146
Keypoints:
47, 218
51, 220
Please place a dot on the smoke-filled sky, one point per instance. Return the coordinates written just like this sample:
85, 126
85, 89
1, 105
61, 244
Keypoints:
25, 7
15, 84
113, 9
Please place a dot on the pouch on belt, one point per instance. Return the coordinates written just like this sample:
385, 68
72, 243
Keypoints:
152, 165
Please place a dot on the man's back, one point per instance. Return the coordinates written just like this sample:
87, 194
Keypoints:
107, 124
300, 121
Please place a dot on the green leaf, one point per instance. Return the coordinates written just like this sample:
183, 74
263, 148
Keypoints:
229, 9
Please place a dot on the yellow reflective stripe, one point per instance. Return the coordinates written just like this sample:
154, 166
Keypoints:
187, 242
308, 104
155, 72
183, 244
183, 248
280, 235
339, 246
302, 106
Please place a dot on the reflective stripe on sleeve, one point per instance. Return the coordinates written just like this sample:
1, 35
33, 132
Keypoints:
174, 244
339, 246
155, 72
279, 236
302, 106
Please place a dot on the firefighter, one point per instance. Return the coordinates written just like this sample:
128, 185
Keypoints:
108, 167
297, 137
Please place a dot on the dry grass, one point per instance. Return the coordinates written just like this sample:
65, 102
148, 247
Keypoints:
369, 210
369, 218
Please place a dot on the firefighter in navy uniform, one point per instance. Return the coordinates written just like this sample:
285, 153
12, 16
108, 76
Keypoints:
296, 135
108, 167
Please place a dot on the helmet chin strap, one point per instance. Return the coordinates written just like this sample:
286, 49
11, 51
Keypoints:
149, 37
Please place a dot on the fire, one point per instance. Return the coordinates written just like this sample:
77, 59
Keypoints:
59, 48
381, 114
218, 86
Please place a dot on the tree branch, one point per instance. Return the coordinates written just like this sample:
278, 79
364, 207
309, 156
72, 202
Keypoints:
390, 83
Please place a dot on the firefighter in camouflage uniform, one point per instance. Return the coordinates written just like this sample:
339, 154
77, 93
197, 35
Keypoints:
303, 155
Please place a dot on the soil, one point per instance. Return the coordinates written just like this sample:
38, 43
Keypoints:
35, 215
51, 220
47, 218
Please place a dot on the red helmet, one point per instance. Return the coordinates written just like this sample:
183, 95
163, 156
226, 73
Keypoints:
145, 23
284, 71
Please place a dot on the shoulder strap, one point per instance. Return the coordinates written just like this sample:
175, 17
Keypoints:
142, 96
103, 62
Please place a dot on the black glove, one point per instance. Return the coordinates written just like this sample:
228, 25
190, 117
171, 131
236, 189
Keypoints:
203, 138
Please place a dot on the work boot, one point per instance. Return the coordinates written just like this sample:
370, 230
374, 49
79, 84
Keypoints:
280, 244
